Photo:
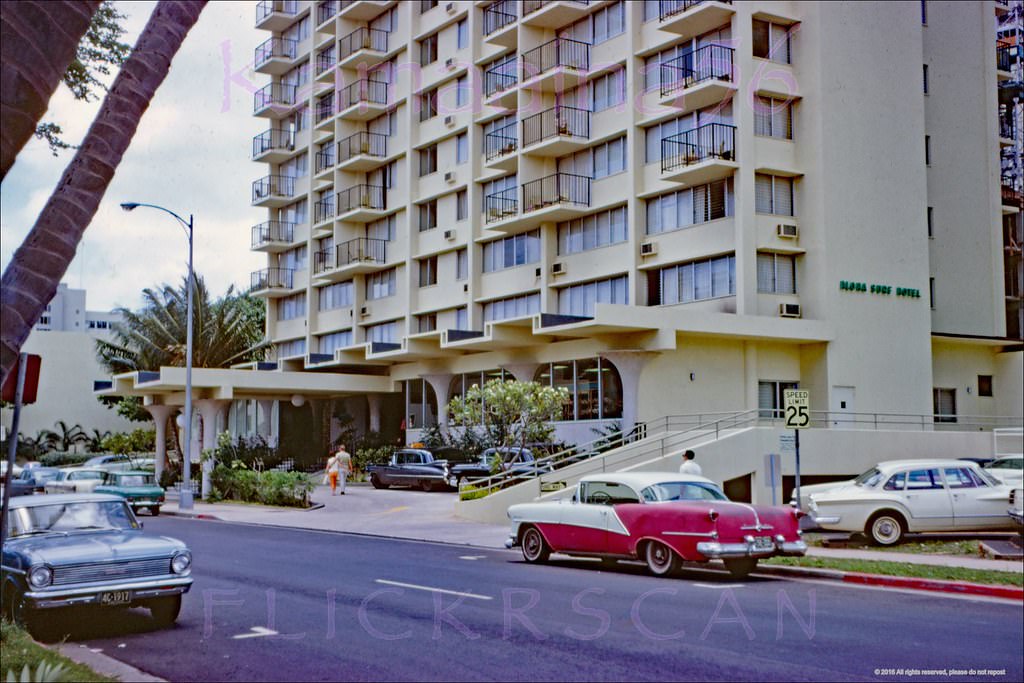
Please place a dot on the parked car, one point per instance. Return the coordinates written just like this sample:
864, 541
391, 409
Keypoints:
75, 480
15, 471
119, 461
663, 518
1008, 469
424, 468
138, 488
512, 459
906, 496
32, 480
88, 549
1016, 511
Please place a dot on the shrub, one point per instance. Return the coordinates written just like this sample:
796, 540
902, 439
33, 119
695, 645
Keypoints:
364, 457
236, 481
57, 459
137, 441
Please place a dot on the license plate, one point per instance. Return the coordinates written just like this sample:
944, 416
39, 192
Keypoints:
116, 598
143, 502
764, 542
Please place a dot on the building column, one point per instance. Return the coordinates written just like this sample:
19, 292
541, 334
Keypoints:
210, 410
160, 415
750, 373
263, 424
629, 364
440, 384
374, 402
523, 372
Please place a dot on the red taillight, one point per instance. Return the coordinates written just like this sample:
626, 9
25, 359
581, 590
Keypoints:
161, 499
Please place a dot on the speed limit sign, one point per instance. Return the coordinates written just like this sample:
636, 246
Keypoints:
796, 408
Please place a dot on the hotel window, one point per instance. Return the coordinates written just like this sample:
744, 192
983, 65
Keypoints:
383, 229
296, 213
300, 119
428, 271
602, 25
924, 69
461, 205
591, 232
428, 104
607, 91
291, 348
292, 307
985, 385
461, 264
462, 92
924, 12
513, 251
428, 50
462, 318
655, 134
931, 224
299, 31
771, 41
581, 299
298, 76
296, 167
380, 285
770, 395
329, 343
334, 296
385, 124
428, 215
773, 194
461, 148
773, 118
931, 292
928, 150
293, 259
693, 281
428, 160
594, 386
598, 161
944, 402
426, 322
684, 208
427, 5
512, 307
383, 333
462, 35
776, 273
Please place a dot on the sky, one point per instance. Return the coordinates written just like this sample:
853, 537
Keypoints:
190, 155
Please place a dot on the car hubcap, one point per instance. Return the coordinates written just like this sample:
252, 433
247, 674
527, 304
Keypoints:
531, 544
886, 529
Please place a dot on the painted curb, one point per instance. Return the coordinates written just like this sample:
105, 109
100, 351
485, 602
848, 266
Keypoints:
934, 585
188, 515
103, 664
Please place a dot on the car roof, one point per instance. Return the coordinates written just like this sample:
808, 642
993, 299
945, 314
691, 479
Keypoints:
124, 472
83, 469
640, 480
62, 498
922, 462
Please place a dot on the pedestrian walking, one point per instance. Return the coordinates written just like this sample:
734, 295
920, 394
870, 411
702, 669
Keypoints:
344, 461
333, 468
689, 466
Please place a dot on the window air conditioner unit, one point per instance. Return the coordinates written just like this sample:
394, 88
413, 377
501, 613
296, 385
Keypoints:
449, 177
450, 8
787, 231
789, 310
450, 63
648, 248
537, 272
449, 121
557, 268
364, 312
449, 235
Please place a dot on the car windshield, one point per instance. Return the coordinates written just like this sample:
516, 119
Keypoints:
65, 517
869, 478
1007, 464
86, 475
133, 480
681, 490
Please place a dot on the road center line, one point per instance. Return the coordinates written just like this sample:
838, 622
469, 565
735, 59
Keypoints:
433, 590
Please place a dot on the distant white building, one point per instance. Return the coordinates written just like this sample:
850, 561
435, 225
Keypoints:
66, 312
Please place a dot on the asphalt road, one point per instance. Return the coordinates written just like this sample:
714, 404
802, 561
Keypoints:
281, 604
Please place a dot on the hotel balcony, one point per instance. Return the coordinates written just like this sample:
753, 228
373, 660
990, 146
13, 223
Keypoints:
276, 15
500, 85
365, 47
556, 66
274, 56
273, 146
557, 197
1005, 57
699, 155
1011, 198
1007, 130
324, 211
323, 162
500, 23
271, 283
556, 131
553, 14
363, 100
362, 152
324, 112
364, 10
273, 191
354, 257
500, 206
326, 60
693, 17
274, 100
273, 236
700, 78
362, 203
500, 148
325, 12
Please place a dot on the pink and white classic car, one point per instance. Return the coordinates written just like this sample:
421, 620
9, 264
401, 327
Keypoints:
660, 517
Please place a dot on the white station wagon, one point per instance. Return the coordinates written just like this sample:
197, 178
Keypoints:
906, 496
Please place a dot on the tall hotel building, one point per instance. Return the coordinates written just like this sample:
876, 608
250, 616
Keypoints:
669, 208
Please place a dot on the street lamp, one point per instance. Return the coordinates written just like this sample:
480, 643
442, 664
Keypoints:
185, 502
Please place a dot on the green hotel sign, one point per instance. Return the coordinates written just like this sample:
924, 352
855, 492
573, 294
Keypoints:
885, 290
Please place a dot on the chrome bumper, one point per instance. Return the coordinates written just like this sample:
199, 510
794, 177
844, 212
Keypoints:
716, 550
821, 520
90, 595
511, 542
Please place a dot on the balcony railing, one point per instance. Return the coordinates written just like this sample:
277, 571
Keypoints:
555, 122
706, 63
498, 16
670, 8
323, 210
499, 78
1008, 192
531, 6
271, 278
272, 231
560, 52
274, 95
500, 142
325, 61
358, 250
363, 90
275, 47
324, 159
325, 108
558, 188
326, 10
362, 197
272, 139
272, 186
1004, 57
362, 143
500, 205
267, 7
362, 39
712, 140
1007, 127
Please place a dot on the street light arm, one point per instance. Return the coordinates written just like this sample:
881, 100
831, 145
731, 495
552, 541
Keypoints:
131, 206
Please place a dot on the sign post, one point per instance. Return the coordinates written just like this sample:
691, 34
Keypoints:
20, 387
797, 413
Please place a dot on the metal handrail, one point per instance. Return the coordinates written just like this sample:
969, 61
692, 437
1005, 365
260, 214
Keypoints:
712, 140
560, 121
275, 47
280, 278
362, 91
275, 138
670, 8
564, 52
557, 188
325, 108
274, 94
531, 6
325, 10
272, 231
362, 38
706, 63
362, 143
499, 15
500, 77
362, 196
500, 142
325, 60
323, 210
267, 7
273, 185
500, 205
1004, 57
324, 159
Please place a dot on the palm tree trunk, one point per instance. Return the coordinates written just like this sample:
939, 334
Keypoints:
39, 40
31, 278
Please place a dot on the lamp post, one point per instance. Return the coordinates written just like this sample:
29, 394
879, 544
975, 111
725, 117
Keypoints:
185, 502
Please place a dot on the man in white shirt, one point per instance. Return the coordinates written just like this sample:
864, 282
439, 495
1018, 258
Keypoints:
689, 466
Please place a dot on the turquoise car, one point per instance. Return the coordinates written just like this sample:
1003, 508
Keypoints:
139, 489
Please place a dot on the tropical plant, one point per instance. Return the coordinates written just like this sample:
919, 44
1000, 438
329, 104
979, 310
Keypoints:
510, 413
31, 278
136, 441
94, 442
65, 438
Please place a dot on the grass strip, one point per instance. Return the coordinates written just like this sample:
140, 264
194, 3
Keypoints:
18, 649
917, 571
